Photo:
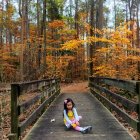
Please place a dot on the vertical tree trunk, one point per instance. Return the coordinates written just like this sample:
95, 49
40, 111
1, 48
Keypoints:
91, 34
1, 27
99, 20
22, 39
1, 38
9, 31
26, 19
38, 34
99, 15
70, 5
138, 28
44, 30
138, 36
115, 14
76, 19
38, 19
70, 13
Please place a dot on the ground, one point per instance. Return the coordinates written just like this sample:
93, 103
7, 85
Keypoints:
74, 87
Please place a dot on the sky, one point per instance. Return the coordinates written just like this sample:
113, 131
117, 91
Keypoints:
108, 3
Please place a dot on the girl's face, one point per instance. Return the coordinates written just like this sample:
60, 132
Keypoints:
69, 105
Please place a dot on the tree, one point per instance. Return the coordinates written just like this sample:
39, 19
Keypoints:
53, 10
92, 9
99, 19
76, 19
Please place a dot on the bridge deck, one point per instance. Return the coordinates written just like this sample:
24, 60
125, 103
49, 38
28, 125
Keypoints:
105, 126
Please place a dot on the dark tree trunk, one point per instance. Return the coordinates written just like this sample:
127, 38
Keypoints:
76, 19
99, 20
92, 9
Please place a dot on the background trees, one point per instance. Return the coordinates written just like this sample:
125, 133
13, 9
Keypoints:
40, 39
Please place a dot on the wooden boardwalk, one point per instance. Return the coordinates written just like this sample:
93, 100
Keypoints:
105, 126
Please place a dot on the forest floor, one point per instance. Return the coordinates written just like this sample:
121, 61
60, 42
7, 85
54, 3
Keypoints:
65, 88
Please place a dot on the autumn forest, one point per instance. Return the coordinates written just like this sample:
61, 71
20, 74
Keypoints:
65, 42
69, 39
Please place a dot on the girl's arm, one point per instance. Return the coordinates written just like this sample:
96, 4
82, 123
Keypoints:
75, 114
66, 117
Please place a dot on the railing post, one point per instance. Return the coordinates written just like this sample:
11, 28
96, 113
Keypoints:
58, 86
42, 98
14, 111
138, 91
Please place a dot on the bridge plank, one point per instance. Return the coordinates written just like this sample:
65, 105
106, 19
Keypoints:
105, 126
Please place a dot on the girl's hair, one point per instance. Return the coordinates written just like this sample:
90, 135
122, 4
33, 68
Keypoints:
67, 101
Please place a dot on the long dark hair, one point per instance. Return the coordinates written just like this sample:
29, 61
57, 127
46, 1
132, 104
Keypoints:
67, 101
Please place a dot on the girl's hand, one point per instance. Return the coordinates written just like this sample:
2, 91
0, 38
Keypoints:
77, 123
73, 125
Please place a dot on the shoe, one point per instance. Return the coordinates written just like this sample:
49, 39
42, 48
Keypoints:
89, 128
86, 129
68, 128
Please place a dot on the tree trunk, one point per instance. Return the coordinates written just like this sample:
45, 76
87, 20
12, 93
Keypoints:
26, 19
91, 34
115, 14
137, 15
22, 40
99, 20
1, 27
38, 19
44, 30
138, 36
76, 19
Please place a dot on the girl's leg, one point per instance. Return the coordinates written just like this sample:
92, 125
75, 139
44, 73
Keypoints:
84, 130
74, 120
68, 126
78, 128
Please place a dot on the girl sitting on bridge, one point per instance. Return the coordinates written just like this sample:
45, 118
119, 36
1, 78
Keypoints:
71, 118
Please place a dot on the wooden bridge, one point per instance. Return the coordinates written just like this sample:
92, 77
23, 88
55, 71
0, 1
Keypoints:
89, 105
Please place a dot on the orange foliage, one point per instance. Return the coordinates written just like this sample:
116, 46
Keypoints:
115, 59
56, 24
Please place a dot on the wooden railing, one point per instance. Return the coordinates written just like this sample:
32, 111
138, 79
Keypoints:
101, 89
47, 91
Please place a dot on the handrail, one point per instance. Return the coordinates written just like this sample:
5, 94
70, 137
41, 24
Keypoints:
129, 85
49, 88
100, 88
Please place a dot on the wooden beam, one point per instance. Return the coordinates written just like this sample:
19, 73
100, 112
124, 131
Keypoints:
14, 109
138, 90
24, 106
123, 84
34, 115
132, 106
134, 123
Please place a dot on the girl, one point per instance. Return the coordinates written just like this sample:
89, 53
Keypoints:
71, 118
